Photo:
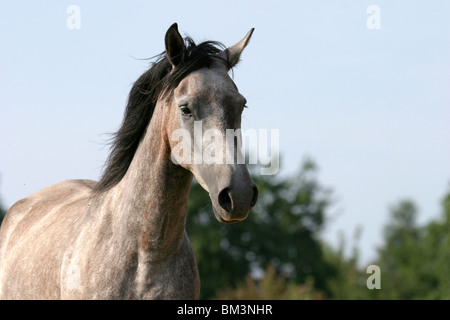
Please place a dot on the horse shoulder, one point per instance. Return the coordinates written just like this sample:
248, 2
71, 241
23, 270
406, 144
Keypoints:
40, 209
46, 198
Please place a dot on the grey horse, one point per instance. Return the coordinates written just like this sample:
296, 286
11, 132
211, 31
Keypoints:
124, 237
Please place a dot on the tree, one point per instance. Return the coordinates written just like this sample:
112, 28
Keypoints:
401, 257
413, 259
436, 267
282, 230
350, 280
270, 287
2, 214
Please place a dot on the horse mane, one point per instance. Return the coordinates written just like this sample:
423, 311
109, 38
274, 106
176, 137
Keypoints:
152, 85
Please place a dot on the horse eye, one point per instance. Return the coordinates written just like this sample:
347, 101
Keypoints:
185, 111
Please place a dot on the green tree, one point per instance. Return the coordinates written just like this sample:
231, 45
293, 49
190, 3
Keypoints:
436, 267
414, 259
2, 212
271, 287
282, 230
350, 280
400, 258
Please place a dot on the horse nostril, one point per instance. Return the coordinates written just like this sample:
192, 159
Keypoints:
255, 196
225, 200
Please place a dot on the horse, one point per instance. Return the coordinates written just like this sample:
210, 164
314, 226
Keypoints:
124, 237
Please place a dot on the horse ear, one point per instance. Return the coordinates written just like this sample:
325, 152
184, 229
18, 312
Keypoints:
174, 45
233, 53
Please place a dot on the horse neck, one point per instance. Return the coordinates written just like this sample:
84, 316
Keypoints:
151, 200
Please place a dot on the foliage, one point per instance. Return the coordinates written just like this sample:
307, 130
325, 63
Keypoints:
277, 252
2, 213
350, 280
271, 287
282, 230
414, 259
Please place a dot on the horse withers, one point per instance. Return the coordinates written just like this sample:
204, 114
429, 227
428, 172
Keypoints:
124, 237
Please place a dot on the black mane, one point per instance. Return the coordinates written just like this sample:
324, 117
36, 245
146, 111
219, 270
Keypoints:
156, 82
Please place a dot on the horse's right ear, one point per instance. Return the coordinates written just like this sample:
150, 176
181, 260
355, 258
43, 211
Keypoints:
174, 45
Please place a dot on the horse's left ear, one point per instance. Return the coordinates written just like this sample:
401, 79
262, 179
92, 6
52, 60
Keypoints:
233, 53
174, 45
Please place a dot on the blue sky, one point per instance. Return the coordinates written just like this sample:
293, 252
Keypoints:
370, 107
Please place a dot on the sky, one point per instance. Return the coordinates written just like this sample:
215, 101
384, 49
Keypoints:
363, 93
